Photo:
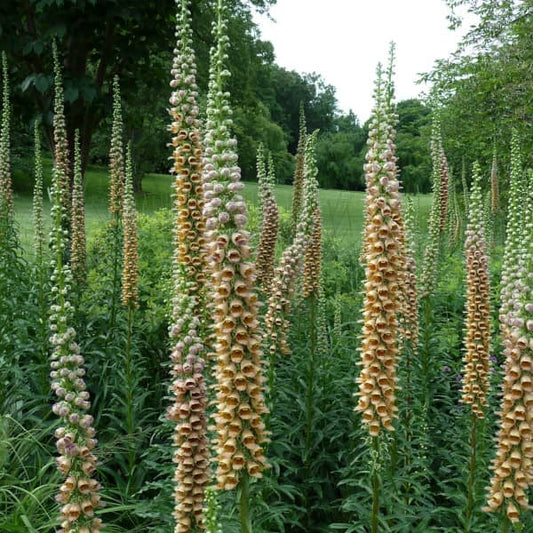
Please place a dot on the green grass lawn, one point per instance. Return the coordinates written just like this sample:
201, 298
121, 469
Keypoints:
342, 211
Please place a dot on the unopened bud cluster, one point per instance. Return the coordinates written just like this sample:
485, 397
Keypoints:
297, 184
116, 157
61, 147
477, 341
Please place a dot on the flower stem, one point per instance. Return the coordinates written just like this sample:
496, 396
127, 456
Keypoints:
309, 399
472, 475
375, 485
244, 500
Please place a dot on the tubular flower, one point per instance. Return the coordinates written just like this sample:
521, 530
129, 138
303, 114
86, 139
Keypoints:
513, 465
297, 184
116, 157
130, 272
78, 495
266, 250
240, 405
514, 245
477, 341
384, 271
290, 264
444, 189
431, 256
188, 387
494, 188
6, 189
78, 250
410, 315
61, 152
37, 212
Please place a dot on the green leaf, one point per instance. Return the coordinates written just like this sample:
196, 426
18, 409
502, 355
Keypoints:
42, 82
71, 93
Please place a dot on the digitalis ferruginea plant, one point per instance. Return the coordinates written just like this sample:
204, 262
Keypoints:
188, 331
297, 185
6, 187
266, 250
384, 271
78, 495
78, 247
116, 157
291, 261
513, 466
477, 341
428, 281
410, 312
240, 405
61, 149
130, 263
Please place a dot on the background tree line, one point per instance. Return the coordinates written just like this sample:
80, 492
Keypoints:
483, 90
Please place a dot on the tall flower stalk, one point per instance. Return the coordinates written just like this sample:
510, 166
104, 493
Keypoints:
38, 210
61, 149
116, 196
297, 185
6, 188
188, 330
430, 263
383, 254
240, 406
512, 473
290, 264
78, 495
410, 318
477, 341
78, 247
40, 251
443, 188
130, 269
494, 186
383, 270
513, 249
266, 250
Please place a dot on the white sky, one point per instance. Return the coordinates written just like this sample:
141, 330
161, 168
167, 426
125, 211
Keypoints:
343, 40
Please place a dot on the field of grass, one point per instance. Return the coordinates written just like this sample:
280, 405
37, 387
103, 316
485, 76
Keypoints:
342, 211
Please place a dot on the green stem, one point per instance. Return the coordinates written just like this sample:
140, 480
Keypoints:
130, 429
375, 485
309, 399
472, 475
244, 501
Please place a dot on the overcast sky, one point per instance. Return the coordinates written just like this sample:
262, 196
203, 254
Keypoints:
343, 40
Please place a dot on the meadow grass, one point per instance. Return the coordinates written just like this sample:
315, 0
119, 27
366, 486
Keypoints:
342, 211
